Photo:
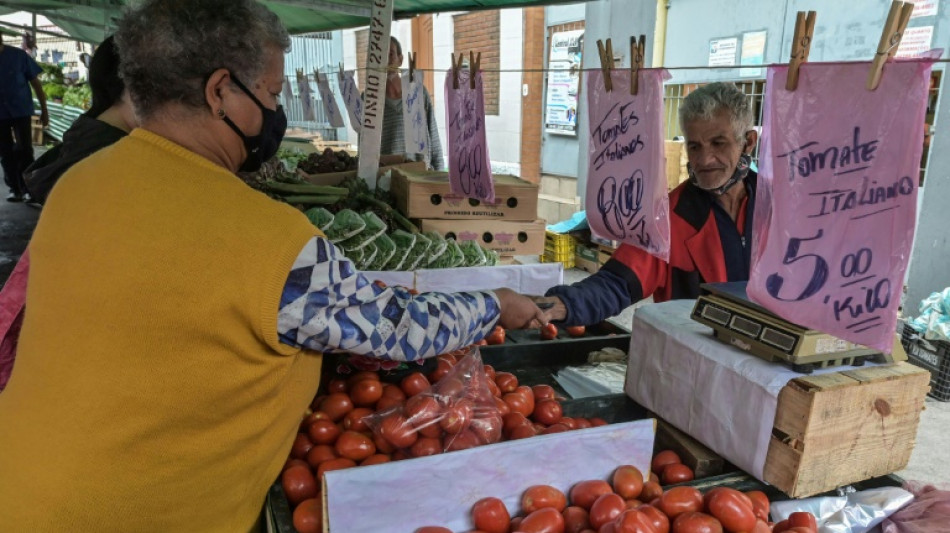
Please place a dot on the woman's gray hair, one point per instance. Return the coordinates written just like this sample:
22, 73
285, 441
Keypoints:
169, 48
709, 100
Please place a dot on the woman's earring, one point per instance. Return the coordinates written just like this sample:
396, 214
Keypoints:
220, 113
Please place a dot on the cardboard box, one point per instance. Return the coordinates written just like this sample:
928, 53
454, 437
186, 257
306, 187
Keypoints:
586, 258
675, 164
507, 237
806, 434
427, 194
440, 489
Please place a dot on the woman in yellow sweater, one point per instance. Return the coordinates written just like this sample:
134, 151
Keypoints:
175, 316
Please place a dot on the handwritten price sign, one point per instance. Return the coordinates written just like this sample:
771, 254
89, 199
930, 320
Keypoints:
352, 99
839, 168
414, 118
469, 166
626, 197
329, 101
306, 98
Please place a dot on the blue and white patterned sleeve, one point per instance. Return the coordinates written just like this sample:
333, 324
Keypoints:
328, 306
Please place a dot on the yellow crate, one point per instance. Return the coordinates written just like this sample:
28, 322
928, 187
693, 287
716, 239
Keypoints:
568, 262
558, 241
558, 254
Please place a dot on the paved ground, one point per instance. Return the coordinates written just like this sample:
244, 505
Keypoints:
17, 221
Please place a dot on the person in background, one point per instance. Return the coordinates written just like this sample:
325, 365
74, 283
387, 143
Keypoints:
175, 317
710, 219
393, 139
18, 73
109, 118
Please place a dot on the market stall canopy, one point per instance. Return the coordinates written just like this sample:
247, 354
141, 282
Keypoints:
93, 20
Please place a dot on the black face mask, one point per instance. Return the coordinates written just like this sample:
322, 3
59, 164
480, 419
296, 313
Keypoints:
742, 170
264, 145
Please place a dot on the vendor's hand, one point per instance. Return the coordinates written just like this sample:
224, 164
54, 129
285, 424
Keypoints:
554, 308
44, 118
518, 311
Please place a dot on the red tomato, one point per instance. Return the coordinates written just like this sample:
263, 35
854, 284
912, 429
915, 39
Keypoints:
633, 521
680, 500
732, 509
541, 496
336, 405
393, 391
651, 491
555, 428
548, 332
422, 409
376, 459
457, 418
383, 445
676, 473
463, 441
487, 429
336, 385
414, 384
517, 403
480, 342
355, 419
489, 371
323, 432
491, 516
661, 523
497, 336
448, 358
761, 527
298, 484
432, 431
493, 388
803, 519
665, 457
442, 369
433, 529
319, 454
692, 522
569, 422
627, 481
334, 464
387, 402
576, 519
596, 422
760, 504
543, 392
582, 423
605, 509
360, 376
426, 446
547, 412
576, 331
398, 431
800, 529
301, 446
633, 504
585, 493
366, 393
308, 516
546, 520
522, 432
293, 462
506, 381
354, 446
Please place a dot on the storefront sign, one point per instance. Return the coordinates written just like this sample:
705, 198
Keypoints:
627, 196
469, 165
415, 120
352, 99
306, 98
839, 175
753, 53
915, 41
374, 95
564, 69
924, 8
334, 117
722, 52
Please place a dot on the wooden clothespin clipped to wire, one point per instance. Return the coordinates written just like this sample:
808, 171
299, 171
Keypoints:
891, 35
412, 65
474, 64
456, 66
801, 45
300, 75
637, 48
606, 62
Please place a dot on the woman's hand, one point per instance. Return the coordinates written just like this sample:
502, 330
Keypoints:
519, 311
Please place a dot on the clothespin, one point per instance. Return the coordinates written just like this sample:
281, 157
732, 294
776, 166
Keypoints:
341, 72
636, 62
606, 62
299, 74
891, 35
801, 45
474, 62
456, 66
412, 65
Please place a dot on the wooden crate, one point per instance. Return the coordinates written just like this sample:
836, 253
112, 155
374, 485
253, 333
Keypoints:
675, 163
427, 194
834, 429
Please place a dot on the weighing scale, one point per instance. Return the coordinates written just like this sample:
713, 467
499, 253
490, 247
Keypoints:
738, 321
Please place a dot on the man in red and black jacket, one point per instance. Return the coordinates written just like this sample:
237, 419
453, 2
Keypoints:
710, 218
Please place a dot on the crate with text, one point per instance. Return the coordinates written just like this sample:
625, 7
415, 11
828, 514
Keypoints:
507, 237
427, 194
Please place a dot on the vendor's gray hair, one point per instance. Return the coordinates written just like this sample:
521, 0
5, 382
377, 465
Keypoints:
709, 100
169, 48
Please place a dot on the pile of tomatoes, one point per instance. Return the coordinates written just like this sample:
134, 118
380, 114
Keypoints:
626, 504
547, 332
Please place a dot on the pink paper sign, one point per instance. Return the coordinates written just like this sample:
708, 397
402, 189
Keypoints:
469, 165
839, 169
627, 197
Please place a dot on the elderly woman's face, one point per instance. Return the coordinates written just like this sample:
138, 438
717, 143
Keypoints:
267, 88
712, 149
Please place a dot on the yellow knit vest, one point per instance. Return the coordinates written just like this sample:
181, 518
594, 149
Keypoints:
150, 392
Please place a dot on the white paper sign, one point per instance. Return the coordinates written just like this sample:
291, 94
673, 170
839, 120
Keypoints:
924, 8
334, 117
722, 52
306, 99
916, 41
564, 64
415, 121
374, 95
352, 99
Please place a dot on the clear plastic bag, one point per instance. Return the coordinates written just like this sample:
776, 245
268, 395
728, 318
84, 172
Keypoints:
404, 242
346, 223
385, 248
457, 412
474, 256
320, 218
418, 254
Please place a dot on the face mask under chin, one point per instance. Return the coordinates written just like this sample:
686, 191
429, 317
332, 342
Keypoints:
739, 174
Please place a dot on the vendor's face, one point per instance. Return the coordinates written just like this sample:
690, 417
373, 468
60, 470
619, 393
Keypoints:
713, 150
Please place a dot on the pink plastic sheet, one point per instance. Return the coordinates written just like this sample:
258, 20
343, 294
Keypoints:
12, 304
627, 197
469, 165
928, 513
837, 195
